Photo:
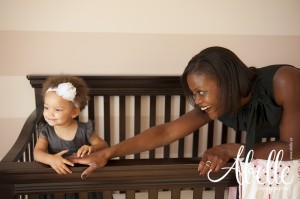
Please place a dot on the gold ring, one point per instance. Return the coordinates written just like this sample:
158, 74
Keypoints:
208, 163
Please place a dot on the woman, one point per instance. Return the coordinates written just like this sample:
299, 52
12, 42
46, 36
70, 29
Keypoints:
264, 102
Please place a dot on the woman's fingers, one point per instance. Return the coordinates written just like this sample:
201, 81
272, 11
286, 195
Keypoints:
213, 165
204, 167
89, 170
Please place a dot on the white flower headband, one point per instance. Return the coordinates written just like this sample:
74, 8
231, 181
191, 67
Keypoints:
66, 90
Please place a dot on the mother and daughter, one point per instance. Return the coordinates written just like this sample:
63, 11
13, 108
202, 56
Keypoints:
264, 102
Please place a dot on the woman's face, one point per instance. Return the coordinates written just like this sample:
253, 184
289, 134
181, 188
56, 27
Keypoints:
206, 94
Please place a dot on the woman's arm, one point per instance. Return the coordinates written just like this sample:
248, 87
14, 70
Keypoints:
149, 139
160, 135
286, 88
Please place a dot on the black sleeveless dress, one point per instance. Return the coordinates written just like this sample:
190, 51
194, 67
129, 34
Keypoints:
260, 118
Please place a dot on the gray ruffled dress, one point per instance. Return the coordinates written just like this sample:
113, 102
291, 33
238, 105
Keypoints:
56, 144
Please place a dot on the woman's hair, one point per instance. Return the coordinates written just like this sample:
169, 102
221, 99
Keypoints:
233, 77
81, 97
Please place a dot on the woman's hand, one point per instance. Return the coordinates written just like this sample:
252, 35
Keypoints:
59, 164
95, 160
215, 158
85, 149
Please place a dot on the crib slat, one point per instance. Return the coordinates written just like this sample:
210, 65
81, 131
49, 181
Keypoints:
196, 143
238, 137
182, 109
130, 194
32, 144
224, 134
175, 193
210, 135
83, 195
26, 153
197, 193
91, 108
33, 196
219, 192
137, 119
153, 194
167, 115
59, 195
106, 107
122, 118
107, 195
152, 120
122, 126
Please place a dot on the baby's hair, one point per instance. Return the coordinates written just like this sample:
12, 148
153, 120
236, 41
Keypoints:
81, 98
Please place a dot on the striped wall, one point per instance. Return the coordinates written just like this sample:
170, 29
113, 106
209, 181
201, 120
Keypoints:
131, 37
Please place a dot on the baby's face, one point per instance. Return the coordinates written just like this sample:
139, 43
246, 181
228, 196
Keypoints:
58, 111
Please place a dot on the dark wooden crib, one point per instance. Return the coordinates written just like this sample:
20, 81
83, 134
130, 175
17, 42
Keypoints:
121, 107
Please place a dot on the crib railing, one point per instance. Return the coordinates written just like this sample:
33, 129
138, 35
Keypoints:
120, 177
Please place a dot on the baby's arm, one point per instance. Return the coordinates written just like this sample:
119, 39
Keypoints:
96, 144
56, 161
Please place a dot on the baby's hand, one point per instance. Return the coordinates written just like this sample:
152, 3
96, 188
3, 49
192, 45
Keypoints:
58, 163
85, 149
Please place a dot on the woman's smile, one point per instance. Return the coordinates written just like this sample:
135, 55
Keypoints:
206, 93
204, 108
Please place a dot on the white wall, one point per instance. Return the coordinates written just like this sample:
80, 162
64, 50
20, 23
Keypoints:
255, 17
131, 37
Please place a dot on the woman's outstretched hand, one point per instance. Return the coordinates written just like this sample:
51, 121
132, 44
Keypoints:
95, 160
216, 157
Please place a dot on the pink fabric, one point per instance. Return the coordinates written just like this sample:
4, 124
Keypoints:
255, 182
232, 192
